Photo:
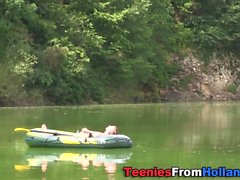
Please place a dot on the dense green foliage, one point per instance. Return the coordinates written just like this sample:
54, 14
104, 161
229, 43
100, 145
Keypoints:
214, 24
76, 51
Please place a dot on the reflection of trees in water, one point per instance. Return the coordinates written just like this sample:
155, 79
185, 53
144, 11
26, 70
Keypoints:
200, 134
214, 117
199, 125
211, 125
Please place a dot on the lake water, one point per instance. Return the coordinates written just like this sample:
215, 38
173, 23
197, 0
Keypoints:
187, 135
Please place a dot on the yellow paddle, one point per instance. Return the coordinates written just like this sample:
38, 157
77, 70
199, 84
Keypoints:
22, 167
22, 129
48, 131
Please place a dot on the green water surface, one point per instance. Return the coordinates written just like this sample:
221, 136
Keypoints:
188, 135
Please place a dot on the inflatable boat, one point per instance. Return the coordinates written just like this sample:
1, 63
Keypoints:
39, 137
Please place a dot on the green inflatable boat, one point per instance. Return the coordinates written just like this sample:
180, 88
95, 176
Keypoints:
39, 137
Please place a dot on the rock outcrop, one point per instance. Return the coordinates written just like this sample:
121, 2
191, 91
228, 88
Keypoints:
196, 81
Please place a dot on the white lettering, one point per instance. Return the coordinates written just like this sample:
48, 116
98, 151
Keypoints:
175, 171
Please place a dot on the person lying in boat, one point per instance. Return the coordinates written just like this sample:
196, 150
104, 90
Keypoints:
109, 130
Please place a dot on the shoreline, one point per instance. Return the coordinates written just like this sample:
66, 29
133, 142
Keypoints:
118, 104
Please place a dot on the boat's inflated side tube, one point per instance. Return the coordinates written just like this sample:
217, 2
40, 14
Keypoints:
54, 138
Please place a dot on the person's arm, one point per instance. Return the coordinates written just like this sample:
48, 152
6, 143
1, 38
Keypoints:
44, 126
86, 130
94, 133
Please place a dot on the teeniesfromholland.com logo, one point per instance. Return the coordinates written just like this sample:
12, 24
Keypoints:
176, 171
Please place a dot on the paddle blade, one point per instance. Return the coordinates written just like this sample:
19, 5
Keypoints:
21, 167
21, 129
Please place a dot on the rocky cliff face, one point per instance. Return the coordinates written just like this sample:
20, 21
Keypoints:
219, 80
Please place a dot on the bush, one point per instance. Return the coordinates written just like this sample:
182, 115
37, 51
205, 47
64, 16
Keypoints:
232, 88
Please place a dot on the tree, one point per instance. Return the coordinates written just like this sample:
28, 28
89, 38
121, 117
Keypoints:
214, 24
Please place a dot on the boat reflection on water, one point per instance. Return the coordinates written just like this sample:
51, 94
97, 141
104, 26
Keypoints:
41, 158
